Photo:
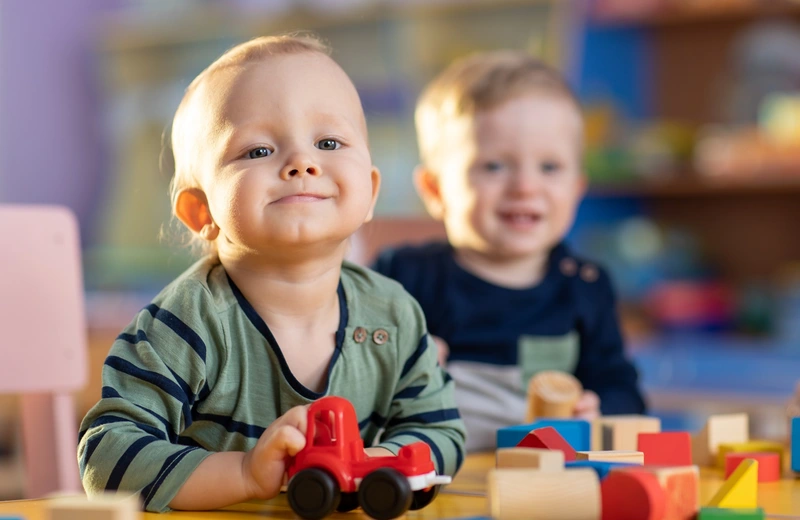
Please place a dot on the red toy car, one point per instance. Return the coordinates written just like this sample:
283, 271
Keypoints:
333, 472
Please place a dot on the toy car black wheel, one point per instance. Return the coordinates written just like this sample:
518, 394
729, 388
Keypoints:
423, 497
348, 502
384, 494
313, 494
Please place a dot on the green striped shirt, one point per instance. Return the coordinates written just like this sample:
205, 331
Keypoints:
198, 371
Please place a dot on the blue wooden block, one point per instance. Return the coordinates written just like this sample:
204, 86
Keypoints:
576, 432
795, 445
602, 467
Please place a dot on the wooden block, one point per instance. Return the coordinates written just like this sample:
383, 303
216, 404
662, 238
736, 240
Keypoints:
718, 513
109, 506
552, 393
666, 448
601, 467
794, 443
740, 490
634, 457
576, 432
621, 432
548, 438
769, 464
632, 495
529, 494
533, 458
719, 429
681, 485
749, 446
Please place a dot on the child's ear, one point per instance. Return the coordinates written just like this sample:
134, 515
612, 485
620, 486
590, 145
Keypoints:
427, 184
376, 188
191, 207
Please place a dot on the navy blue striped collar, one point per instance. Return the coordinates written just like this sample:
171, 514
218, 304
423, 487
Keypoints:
259, 323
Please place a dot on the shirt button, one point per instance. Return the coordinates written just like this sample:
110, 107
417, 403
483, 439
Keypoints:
380, 336
589, 273
360, 334
568, 267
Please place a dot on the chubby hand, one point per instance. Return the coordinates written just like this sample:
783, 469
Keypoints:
264, 466
442, 350
588, 406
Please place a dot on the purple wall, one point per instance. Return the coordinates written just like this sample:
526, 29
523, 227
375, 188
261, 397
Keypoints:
50, 148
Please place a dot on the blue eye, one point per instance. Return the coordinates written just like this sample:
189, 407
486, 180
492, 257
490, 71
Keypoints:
550, 167
328, 144
493, 166
257, 153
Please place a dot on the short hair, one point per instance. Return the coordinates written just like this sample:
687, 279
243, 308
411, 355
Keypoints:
250, 51
480, 82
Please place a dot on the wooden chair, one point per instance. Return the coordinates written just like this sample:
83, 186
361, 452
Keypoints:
43, 338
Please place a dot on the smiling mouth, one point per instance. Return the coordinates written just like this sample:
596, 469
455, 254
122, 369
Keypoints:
300, 198
520, 218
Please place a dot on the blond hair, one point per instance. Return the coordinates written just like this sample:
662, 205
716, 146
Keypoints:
480, 82
250, 51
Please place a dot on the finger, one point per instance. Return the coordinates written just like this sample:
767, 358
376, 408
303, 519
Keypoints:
285, 440
296, 417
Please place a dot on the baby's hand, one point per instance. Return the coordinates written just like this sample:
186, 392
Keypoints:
588, 406
263, 467
442, 350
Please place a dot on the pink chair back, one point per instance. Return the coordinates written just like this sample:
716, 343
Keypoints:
43, 343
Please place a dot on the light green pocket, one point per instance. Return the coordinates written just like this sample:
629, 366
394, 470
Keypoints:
538, 353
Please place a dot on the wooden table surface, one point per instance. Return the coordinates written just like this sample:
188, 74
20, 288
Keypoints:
465, 497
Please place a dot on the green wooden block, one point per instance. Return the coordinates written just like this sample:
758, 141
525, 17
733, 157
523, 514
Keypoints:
719, 513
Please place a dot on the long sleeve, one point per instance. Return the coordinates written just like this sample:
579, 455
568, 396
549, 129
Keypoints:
423, 406
155, 372
603, 366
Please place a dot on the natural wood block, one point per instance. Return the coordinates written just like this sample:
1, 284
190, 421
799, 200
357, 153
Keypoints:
666, 448
552, 393
750, 446
634, 457
719, 429
529, 494
621, 432
769, 464
548, 438
533, 458
632, 495
740, 490
109, 506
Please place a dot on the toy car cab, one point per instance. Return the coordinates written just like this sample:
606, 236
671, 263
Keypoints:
333, 472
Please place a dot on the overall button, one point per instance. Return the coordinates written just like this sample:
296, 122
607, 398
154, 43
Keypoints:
380, 336
589, 273
568, 267
360, 334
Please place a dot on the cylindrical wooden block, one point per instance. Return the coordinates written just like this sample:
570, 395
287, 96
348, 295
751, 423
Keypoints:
529, 494
769, 464
552, 394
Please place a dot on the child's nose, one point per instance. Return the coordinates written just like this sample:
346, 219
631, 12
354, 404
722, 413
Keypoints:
298, 166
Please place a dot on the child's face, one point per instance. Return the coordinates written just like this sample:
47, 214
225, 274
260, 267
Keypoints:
512, 182
289, 165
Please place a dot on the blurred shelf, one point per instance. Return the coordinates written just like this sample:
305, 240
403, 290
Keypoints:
679, 17
127, 31
694, 186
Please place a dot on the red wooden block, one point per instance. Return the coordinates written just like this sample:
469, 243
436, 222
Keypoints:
666, 448
549, 439
681, 489
632, 495
769, 464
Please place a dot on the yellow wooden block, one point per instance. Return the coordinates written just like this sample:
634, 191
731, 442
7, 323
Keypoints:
741, 489
635, 457
532, 458
748, 447
719, 429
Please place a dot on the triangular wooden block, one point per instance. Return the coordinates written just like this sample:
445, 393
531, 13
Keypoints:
741, 488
